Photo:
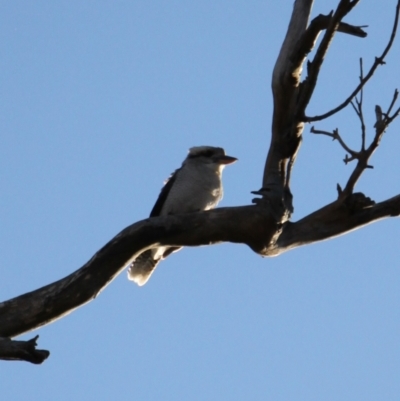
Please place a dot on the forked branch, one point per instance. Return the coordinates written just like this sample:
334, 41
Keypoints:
291, 97
251, 225
383, 120
378, 62
314, 67
320, 23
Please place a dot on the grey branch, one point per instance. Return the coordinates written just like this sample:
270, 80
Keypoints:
286, 136
291, 98
378, 62
254, 226
314, 67
382, 123
336, 219
383, 120
309, 38
336, 136
357, 105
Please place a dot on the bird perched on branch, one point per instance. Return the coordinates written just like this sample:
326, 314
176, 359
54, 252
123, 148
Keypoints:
195, 186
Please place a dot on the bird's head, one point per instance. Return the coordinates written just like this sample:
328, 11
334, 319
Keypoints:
209, 155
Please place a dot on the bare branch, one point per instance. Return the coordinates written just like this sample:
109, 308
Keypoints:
313, 67
352, 29
383, 120
287, 126
394, 116
336, 136
251, 225
358, 108
394, 99
336, 219
286, 133
297, 27
322, 22
285, 137
22, 351
378, 61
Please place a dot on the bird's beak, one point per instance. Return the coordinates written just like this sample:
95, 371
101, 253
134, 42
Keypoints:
226, 160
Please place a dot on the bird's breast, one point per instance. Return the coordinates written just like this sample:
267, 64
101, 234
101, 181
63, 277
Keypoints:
193, 190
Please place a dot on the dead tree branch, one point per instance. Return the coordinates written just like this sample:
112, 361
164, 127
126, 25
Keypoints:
336, 136
378, 61
22, 351
250, 225
358, 108
286, 133
336, 219
314, 67
322, 22
291, 97
254, 226
383, 120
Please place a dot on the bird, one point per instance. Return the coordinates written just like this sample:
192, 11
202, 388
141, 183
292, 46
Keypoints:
193, 187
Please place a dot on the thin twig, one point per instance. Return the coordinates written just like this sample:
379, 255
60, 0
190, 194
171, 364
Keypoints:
378, 61
352, 29
336, 136
395, 96
395, 115
383, 120
313, 68
322, 22
358, 108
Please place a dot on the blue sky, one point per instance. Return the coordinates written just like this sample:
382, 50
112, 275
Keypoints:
100, 102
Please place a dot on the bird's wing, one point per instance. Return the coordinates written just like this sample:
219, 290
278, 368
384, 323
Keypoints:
156, 211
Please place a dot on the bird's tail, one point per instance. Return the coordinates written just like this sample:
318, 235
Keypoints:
141, 269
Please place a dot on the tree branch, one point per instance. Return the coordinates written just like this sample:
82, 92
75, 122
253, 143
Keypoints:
336, 219
289, 106
313, 67
254, 226
336, 136
378, 61
322, 22
383, 120
251, 225
358, 108
22, 351
286, 133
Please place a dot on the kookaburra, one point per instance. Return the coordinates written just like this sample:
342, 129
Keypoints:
195, 186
